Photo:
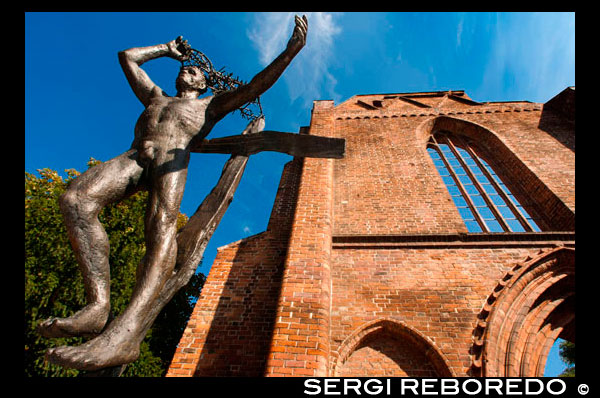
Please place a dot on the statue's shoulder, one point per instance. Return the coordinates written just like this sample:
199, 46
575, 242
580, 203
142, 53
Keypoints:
158, 92
162, 93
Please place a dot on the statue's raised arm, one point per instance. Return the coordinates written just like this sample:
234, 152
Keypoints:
132, 59
228, 101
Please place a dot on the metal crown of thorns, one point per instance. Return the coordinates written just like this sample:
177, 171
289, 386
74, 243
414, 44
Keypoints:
218, 80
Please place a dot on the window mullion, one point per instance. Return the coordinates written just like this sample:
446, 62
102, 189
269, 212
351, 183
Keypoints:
498, 189
460, 186
482, 192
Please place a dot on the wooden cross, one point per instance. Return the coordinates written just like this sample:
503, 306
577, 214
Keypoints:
193, 238
293, 144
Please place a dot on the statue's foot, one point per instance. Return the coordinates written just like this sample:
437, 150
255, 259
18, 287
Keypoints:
98, 353
89, 322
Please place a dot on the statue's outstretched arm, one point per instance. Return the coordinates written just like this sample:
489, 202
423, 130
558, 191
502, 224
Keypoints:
229, 101
133, 58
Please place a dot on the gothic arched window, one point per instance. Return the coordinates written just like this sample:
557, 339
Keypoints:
483, 200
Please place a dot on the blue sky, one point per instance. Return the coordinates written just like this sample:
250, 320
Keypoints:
78, 103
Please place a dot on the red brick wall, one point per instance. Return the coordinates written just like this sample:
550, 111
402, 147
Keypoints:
383, 354
230, 330
436, 291
367, 268
300, 344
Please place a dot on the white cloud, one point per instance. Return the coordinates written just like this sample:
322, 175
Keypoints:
270, 33
308, 76
459, 31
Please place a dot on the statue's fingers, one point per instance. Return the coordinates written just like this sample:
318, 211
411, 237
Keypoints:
301, 22
304, 26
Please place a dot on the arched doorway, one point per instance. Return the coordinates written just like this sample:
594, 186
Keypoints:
531, 306
388, 348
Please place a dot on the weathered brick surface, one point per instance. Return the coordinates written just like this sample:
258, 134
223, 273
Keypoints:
367, 269
385, 355
230, 330
301, 335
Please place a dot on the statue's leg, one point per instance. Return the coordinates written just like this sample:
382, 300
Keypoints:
80, 205
119, 342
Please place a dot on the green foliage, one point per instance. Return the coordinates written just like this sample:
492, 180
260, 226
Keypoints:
54, 286
567, 355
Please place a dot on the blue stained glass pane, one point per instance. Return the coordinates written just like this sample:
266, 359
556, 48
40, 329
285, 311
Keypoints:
482, 179
522, 211
515, 226
466, 214
534, 226
459, 170
464, 155
439, 163
505, 212
499, 181
448, 180
478, 200
465, 179
472, 226
486, 213
444, 148
513, 199
469, 161
494, 226
459, 201
453, 189
475, 170
433, 153
453, 162
488, 188
443, 171
497, 200
471, 189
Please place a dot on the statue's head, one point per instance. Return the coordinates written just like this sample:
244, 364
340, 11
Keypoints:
191, 78
217, 80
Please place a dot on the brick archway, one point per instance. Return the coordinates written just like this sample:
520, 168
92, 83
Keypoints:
530, 307
387, 347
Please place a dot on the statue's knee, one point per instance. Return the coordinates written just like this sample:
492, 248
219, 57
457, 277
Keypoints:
67, 200
75, 202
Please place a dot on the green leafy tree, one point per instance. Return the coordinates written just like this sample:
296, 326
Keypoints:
567, 355
54, 286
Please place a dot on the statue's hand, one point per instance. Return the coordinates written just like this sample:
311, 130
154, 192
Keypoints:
298, 39
178, 49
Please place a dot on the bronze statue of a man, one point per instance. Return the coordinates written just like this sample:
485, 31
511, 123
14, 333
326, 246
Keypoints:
157, 161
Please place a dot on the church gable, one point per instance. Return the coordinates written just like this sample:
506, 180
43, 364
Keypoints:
408, 102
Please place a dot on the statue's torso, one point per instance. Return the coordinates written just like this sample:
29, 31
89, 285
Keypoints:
172, 121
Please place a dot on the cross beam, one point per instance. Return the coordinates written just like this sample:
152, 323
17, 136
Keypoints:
301, 145
193, 238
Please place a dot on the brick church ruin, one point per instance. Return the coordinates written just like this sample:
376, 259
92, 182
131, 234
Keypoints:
443, 244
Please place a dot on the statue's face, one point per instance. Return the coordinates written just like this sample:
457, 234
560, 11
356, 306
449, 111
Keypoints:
190, 77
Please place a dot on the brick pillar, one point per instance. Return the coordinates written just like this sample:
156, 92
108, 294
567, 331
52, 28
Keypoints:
300, 344
229, 330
